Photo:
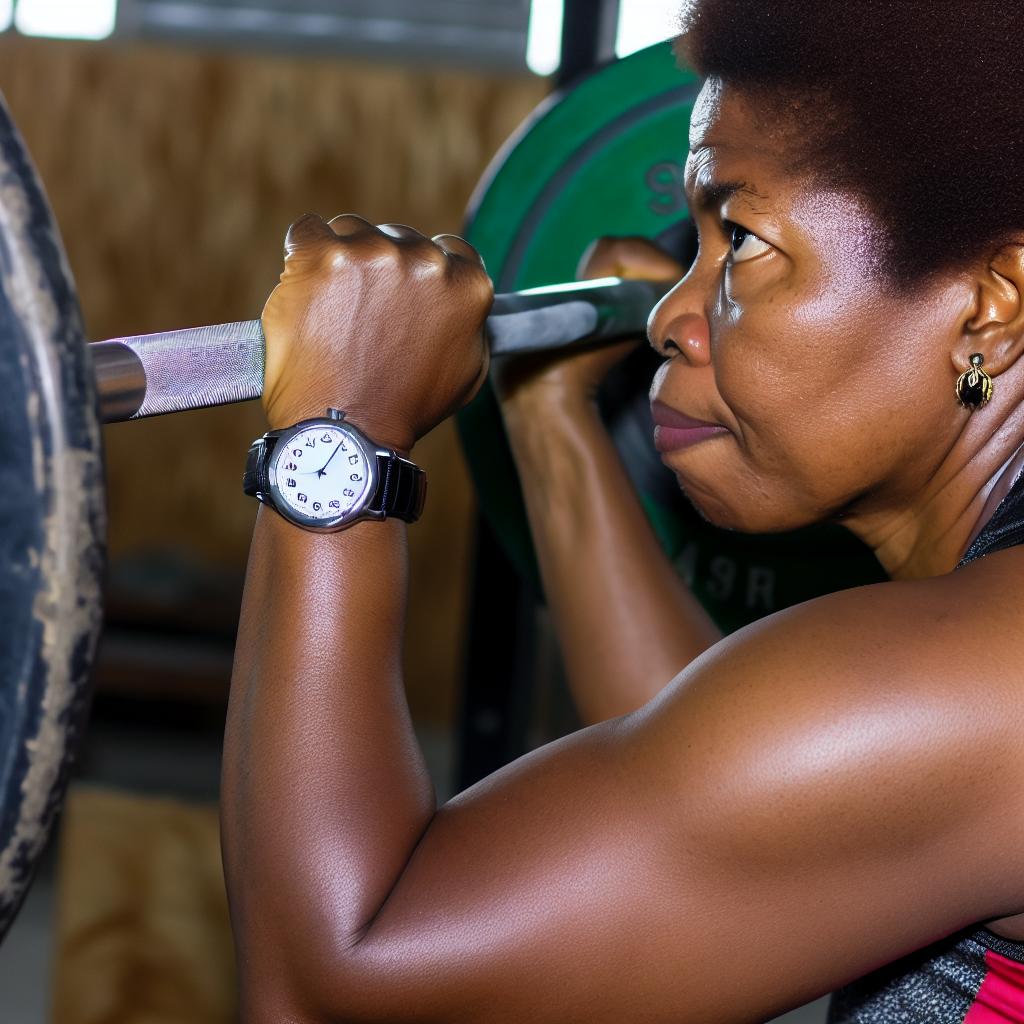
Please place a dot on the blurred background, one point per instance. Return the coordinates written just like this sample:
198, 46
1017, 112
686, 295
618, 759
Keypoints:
177, 139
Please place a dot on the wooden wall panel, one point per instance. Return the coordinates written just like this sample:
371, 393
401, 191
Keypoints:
174, 175
143, 934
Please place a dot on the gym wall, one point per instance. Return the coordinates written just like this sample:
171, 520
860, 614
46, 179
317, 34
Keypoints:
174, 175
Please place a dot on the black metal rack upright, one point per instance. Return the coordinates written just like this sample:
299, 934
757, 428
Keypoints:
589, 29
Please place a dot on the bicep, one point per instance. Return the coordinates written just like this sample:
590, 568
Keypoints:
777, 823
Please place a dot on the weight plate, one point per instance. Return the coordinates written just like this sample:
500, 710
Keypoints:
51, 521
606, 157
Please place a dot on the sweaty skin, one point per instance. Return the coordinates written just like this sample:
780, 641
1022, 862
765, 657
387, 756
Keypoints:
815, 796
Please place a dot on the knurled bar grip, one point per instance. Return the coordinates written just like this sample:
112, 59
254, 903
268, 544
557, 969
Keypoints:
178, 370
204, 366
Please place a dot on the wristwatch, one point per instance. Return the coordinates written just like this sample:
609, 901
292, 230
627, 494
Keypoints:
325, 475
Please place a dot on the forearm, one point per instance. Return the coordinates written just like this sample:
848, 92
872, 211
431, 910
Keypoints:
626, 622
325, 793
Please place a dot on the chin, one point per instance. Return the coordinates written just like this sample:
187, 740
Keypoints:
728, 511
731, 494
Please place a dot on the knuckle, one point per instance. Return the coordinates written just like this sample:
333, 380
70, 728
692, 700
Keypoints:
349, 223
306, 218
334, 258
483, 285
432, 256
474, 282
609, 247
401, 232
602, 255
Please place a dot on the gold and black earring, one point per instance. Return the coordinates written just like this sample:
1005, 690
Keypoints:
974, 388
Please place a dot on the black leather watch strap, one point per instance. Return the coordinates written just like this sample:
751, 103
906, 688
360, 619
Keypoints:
255, 481
401, 488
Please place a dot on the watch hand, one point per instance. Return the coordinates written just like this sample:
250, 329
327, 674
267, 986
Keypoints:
320, 472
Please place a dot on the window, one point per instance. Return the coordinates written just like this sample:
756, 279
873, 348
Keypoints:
67, 19
480, 33
643, 23
544, 46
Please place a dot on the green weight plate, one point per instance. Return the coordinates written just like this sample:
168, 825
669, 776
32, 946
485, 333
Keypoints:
606, 158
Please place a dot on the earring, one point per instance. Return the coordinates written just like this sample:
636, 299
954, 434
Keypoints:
974, 388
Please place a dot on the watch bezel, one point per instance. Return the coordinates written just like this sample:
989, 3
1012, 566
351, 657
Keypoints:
359, 510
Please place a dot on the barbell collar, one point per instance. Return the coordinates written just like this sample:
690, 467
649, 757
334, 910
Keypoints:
120, 380
153, 374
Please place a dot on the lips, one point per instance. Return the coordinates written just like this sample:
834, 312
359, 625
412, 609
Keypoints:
674, 430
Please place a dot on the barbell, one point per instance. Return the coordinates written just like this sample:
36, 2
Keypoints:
199, 367
604, 158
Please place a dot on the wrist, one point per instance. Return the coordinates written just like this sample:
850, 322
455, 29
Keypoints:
536, 435
383, 430
553, 409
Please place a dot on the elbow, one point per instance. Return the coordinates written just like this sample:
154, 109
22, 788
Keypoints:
308, 985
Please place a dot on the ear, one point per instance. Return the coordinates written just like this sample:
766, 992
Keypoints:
996, 324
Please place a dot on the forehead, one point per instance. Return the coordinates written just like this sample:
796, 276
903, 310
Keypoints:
738, 153
729, 143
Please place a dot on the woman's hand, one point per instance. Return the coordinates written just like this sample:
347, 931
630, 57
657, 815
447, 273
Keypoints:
572, 376
380, 322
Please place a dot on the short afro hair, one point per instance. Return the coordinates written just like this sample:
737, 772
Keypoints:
916, 106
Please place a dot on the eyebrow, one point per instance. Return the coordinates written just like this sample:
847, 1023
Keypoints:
710, 197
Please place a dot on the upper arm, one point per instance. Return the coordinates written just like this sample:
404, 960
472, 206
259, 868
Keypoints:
797, 809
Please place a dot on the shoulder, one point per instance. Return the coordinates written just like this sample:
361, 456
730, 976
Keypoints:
937, 639
870, 721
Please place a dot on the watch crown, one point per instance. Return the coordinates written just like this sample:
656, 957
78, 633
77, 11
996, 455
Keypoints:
335, 414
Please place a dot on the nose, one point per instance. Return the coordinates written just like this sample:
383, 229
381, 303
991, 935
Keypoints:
676, 331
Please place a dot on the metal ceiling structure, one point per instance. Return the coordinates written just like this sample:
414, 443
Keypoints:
481, 33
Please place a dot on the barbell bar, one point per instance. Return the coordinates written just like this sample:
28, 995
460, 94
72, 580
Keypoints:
153, 374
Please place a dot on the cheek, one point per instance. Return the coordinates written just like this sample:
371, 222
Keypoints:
771, 364
807, 378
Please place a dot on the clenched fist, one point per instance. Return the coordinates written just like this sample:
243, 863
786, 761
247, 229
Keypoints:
547, 380
383, 323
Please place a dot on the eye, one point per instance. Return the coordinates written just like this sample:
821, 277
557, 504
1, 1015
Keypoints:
745, 244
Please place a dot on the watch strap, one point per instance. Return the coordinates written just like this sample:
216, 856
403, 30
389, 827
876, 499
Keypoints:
256, 480
401, 488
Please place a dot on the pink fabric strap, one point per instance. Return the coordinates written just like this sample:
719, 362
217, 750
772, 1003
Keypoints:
1000, 999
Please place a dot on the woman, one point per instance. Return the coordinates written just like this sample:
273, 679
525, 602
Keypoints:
832, 790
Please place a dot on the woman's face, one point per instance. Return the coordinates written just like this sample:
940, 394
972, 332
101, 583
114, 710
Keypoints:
836, 392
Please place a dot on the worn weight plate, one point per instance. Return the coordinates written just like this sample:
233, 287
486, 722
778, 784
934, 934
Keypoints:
606, 158
51, 521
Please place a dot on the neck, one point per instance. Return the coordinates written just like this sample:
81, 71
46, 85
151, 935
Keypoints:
928, 535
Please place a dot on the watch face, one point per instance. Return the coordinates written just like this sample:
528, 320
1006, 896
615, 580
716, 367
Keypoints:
321, 474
